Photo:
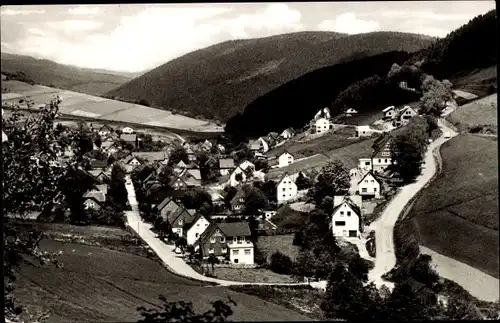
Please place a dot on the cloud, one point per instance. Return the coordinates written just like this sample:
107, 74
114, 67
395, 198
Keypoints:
349, 24
428, 15
74, 25
13, 12
84, 10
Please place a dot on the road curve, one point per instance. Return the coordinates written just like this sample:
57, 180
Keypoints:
166, 253
384, 226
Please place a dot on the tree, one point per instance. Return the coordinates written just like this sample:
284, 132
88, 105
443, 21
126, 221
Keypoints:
302, 182
262, 165
117, 190
333, 180
435, 96
407, 154
184, 312
181, 243
431, 123
209, 167
165, 175
212, 260
230, 193
178, 154
269, 189
281, 263
31, 181
195, 198
255, 200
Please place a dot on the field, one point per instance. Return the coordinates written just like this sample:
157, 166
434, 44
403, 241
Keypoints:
101, 284
84, 105
311, 147
457, 215
281, 243
477, 81
252, 275
363, 118
479, 112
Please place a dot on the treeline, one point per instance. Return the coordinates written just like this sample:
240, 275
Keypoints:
469, 47
296, 102
18, 76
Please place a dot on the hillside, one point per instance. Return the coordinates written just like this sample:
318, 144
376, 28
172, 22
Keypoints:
295, 103
219, 81
49, 73
465, 51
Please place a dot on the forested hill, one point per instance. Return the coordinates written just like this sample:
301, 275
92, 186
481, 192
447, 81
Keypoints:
219, 81
472, 46
295, 103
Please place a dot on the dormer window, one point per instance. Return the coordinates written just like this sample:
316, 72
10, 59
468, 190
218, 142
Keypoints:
181, 221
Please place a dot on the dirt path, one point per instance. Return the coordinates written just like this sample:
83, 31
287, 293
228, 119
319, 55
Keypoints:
477, 283
166, 253
384, 226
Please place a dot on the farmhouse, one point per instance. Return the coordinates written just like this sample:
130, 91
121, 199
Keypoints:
285, 159
259, 145
369, 186
389, 112
404, 115
321, 125
127, 130
92, 203
226, 166
239, 175
287, 133
346, 218
286, 189
227, 240
196, 228
105, 130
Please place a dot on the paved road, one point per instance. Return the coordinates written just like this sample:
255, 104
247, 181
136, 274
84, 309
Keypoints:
166, 253
384, 226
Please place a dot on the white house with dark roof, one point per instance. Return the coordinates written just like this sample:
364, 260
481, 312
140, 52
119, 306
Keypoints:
287, 133
92, 203
369, 186
241, 172
323, 113
389, 112
286, 189
127, 130
259, 145
195, 229
404, 115
346, 218
285, 159
322, 125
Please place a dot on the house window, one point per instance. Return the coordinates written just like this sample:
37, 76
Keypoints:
284, 195
386, 160
211, 250
222, 239
372, 181
380, 160
339, 223
341, 212
367, 163
364, 190
284, 189
348, 213
236, 252
241, 240
196, 235
212, 239
224, 250
234, 239
180, 222
366, 181
248, 251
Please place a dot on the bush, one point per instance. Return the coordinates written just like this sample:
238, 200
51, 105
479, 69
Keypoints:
281, 264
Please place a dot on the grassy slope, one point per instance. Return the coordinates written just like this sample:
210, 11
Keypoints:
221, 80
99, 284
478, 112
457, 215
66, 77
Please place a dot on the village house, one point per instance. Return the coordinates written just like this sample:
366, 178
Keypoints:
190, 154
226, 166
323, 113
152, 157
130, 138
239, 175
92, 203
196, 228
404, 115
166, 206
287, 133
179, 220
349, 112
127, 130
259, 145
369, 186
273, 138
221, 149
364, 131
105, 130
135, 161
346, 218
285, 159
381, 158
389, 112
178, 183
238, 202
227, 240
286, 189
321, 125
98, 164
100, 175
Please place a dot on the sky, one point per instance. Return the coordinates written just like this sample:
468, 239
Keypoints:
138, 37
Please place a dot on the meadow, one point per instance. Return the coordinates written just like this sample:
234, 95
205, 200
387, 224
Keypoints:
457, 215
282, 243
481, 112
89, 106
101, 283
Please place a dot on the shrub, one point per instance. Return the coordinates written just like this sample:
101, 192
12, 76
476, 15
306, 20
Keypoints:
281, 264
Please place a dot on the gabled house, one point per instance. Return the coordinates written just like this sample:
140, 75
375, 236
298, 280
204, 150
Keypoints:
321, 125
227, 240
180, 221
99, 175
221, 149
195, 173
191, 154
286, 189
369, 186
381, 158
350, 111
259, 145
207, 145
92, 203
127, 130
346, 219
285, 159
238, 202
166, 206
106, 144
287, 133
239, 175
190, 180
404, 115
135, 161
99, 196
105, 130
129, 138
323, 113
389, 112
178, 183
98, 164
195, 229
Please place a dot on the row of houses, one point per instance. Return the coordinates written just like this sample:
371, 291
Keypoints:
399, 117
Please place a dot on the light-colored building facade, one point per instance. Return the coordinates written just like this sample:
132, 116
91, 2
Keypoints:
285, 159
286, 189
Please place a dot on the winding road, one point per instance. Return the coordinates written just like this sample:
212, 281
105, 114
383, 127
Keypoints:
384, 226
166, 252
